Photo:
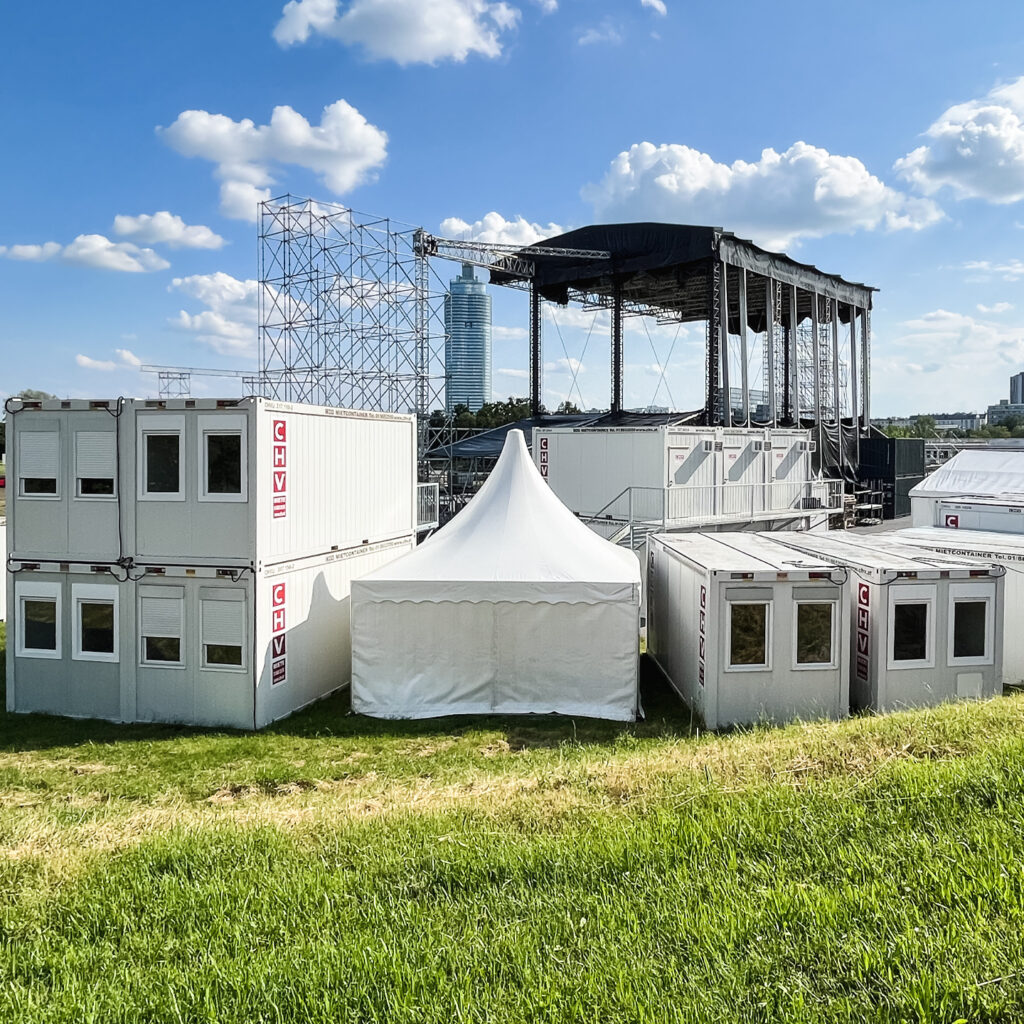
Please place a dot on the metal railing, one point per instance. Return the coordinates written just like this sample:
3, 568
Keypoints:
427, 507
689, 504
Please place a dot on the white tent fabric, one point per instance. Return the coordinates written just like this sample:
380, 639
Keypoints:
514, 607
980, 473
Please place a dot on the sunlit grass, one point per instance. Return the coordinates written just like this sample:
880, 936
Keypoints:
338, 869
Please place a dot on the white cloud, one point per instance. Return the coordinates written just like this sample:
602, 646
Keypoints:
125, 359
405, 31
658, 6
127, 356
90, 251
565, 365
1011, 270
95, 364
976, 149
805, 192
519, 374
229, 324
508, 333
547, 6
943, 359
165, 228
344, 150
999, 307
494, 228
606, 32
31, 253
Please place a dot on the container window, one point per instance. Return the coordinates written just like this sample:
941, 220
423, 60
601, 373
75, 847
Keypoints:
222, 458
163, 463
97, 626
38, 461
39, 622
223, 629
95, 622
38, 610
161, 616
815, 628
910, 631
95, 463
748, 635
223, 463
969, 629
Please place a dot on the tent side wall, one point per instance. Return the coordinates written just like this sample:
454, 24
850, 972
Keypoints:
472, 654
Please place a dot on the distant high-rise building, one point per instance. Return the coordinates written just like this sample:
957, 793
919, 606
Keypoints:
467, 352
1017, 389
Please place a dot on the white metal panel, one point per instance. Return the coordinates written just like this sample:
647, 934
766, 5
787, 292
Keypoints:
162, 615
346, 478
38, 454
95, 454
223, 622
316, 638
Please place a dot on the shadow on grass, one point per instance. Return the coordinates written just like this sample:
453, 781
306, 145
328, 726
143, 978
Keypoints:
666, 716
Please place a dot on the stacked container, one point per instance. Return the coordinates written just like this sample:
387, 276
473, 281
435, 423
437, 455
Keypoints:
189, 560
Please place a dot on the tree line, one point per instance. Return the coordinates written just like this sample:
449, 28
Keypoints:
495, 414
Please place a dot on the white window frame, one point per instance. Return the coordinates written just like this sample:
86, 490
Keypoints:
153, 424
224, 424
162, 593
768, 626
21, 494
94, 593
31, 590
216, 594
980, 593
77, 493
909, 593
816, 666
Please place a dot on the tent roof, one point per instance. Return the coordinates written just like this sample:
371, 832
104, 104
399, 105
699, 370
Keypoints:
977, 473
514, 530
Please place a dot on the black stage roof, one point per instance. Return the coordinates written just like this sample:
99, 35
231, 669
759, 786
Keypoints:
662, 269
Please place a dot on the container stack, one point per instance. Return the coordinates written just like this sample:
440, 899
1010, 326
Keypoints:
189, 560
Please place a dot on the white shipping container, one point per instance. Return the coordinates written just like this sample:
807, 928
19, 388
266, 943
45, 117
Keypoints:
990, 515
925, 630
190, 560
678, 474
746, 630
206, 481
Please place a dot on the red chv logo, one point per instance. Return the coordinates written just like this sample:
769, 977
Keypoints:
280, 431
863, 594
277, 594
952, 522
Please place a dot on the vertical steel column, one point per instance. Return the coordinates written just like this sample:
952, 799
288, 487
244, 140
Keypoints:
744, 382
793, 353
834, 313
724, 350
617, 348
865, 335
769, 327
713, 395
854, 383
536, 366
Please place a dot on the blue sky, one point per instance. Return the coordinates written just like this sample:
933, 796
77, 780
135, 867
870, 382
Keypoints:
881, 141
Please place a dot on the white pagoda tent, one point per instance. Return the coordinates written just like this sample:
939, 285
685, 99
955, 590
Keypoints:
513, 607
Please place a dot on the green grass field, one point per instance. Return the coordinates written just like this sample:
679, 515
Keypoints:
337, 869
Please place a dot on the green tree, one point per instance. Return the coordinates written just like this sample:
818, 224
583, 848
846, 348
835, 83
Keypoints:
568, 408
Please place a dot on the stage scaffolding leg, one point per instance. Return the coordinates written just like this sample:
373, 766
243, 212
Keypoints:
723, 349
838, 409
854, 383
714, 338
744, 369
816, 356
617, 349
769, 326
536, 365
